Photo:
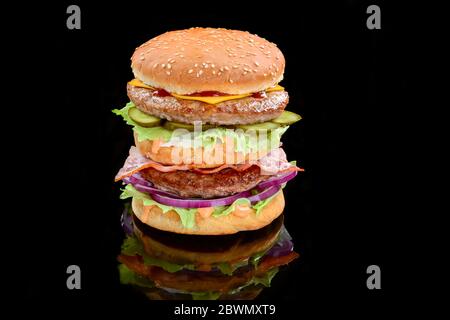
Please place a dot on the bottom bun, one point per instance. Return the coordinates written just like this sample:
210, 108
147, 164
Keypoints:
228, 224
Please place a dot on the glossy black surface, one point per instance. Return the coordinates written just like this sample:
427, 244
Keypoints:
348, 83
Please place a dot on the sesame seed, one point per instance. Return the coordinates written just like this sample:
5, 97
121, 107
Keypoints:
168, 73
221, 69
190, 71
265, 74
235, 67
214, 72
169, 66
244, 73
181, 56
254, 70
219, 73
155, 65
213, 65
226, 68
163, 65
200, 72
257, 63
196, 65
231, 81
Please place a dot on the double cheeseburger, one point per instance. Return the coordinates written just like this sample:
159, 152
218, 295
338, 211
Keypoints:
167, 266
207, 114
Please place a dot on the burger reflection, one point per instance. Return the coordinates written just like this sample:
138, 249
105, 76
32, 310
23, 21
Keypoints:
168, 266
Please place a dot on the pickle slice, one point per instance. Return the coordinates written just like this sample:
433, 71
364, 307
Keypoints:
170, 125
143, 119
287, 118
259, 126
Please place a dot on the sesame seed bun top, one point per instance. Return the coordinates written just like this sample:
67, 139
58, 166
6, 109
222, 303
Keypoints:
208, 59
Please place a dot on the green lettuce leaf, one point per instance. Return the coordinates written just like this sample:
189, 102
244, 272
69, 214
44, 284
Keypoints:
225, 268
124, 113
254, 259
128, 276
208, 295
244, 142
225, 210
132, 246
187, 216
168, 266
153, 133
261, 204
265, 279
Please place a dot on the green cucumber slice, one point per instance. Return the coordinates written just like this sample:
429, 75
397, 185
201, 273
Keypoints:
143, 119
287, 118
259, 126
170, 125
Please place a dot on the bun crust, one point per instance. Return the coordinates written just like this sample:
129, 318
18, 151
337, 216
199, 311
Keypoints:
208, 59
239, 251
163, 155
229, 224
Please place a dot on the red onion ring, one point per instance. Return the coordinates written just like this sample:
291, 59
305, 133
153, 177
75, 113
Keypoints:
126, 221
268, 188
138, 179
264, 194
276, 181
199, 203
149, 189
281, 248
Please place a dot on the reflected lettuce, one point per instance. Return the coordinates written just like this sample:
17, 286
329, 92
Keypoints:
128, 276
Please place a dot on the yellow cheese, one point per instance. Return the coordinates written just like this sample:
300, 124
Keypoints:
210, 100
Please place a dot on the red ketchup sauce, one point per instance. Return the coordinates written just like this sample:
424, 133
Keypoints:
164, 93
161, 93
259, 95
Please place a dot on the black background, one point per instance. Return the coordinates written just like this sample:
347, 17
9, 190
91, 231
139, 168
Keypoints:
346, 81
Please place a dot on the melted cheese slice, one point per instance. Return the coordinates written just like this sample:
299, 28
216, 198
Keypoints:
210, 100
